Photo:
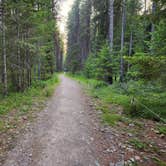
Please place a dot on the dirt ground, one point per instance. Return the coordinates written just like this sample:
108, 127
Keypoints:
69, 132
64, 134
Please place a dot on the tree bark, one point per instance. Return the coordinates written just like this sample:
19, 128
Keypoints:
111, 23
5, 89
153, 13
122, 41
131, 43
19, 59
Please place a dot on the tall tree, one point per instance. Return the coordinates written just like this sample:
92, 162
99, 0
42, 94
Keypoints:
4, 76
111, 23
122, 40
85, 25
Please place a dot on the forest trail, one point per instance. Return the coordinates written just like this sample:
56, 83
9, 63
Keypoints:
62, 134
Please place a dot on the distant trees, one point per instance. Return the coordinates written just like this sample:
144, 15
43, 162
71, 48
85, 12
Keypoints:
73, 50
129, 27
28, 52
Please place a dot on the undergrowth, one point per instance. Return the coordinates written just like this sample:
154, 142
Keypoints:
24, 101
137, 100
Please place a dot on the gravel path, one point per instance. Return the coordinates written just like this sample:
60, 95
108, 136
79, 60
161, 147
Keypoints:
62, 134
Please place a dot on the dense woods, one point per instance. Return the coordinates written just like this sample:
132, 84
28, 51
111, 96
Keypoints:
109, 106
121, 42
31, 47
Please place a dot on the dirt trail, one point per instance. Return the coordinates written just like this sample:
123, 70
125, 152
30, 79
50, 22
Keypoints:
62, 135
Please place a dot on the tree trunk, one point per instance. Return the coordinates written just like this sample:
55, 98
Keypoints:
153, 13
131, 43
153, 25
5, 91
122, 41
111, 23
19, 59
145, 6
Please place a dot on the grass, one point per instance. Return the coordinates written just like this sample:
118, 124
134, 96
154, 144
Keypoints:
138, 144
159, 162
24, 102
161, 129
111, 119
147, 99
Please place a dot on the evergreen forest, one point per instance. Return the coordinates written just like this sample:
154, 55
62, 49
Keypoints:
83, 82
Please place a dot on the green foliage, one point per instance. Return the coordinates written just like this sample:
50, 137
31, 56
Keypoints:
101, 66
30, 28
145, 96
24, 101
159, 162
138, 144
157, 45
162, 129
147, 68
111, 119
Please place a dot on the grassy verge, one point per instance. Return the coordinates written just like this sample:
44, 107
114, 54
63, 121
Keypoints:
22, 103
135, 132
19, 109
106, 96
154, 100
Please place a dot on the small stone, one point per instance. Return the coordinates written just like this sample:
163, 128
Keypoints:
163, 151
123, 147
109, 151
97, 163
102, 130
137, 158
91, 138
130, 135
111, 164
162, 136
131, 125
132, 159
130, 150
150, 145
120, 163
24, 118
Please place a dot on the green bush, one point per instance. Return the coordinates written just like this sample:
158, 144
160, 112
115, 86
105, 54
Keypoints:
101, 66
144, 95
24, 101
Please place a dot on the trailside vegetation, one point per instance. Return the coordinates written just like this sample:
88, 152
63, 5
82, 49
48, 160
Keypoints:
126, 49
31, 47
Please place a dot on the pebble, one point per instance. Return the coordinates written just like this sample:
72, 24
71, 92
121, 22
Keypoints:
131, 125
111, 164
120, 163
109, 151
163, 151
97, 163
162, 136
102, 130
130, 135
91, 138
137, 158
132, 159
30, 155
130, 149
